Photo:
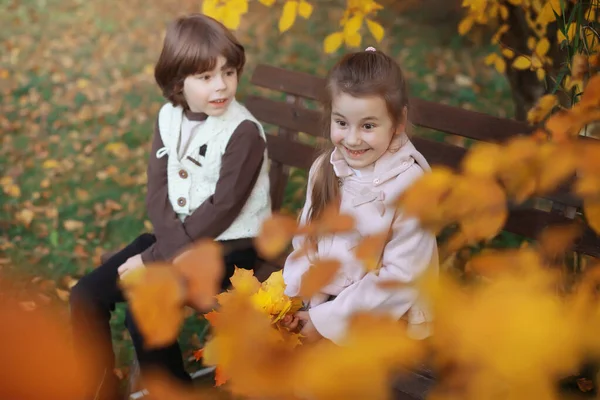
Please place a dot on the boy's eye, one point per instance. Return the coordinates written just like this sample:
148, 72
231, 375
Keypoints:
231, 72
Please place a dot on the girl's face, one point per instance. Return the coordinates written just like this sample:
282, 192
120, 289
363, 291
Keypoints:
211, 92
361, 128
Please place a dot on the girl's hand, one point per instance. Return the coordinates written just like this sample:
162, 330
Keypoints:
131, 264
310, 333
290, 322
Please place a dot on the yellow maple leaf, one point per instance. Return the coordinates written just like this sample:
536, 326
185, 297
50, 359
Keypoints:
508, 53
387, 346
483, 160
244, 281
465, 25
333, 42
522, 62
422, 199
271, 299
353, 25
25, 216
556, 163
556, 240
591, 210
212, 9
305, 9
288, 15
353, 39
156, 298
275, 235
370, 250
542, 108
317, 276
201, 268
542, 47
231, 18
50, 164
72, 225
376, 30
252, 354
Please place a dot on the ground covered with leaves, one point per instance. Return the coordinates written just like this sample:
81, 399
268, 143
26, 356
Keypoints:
78, 103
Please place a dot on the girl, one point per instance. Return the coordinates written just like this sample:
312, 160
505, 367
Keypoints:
207, 178
369, 165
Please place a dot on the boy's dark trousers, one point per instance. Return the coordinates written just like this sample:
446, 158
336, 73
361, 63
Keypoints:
94, 297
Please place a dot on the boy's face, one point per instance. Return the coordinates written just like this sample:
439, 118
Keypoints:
211, 92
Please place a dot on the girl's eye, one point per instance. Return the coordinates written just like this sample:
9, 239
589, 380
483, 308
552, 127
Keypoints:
341, 123
231, 73
368, 126
205, 77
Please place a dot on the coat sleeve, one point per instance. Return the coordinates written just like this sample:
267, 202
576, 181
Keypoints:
409, 253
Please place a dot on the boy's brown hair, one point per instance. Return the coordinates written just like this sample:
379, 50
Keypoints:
191, 46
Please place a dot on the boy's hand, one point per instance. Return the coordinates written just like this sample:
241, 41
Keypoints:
310, 333
131, 264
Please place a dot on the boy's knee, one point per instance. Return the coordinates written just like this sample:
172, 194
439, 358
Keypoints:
146, 240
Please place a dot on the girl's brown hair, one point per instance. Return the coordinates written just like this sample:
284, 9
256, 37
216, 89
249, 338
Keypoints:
191, 46
365, 73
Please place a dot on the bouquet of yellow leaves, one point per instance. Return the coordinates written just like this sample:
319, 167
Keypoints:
268, 298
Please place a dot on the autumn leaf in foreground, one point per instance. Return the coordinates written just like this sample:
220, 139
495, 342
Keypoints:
156, 296
275, 235
370, 250
38, 357
331, 221
424, 198
511, 331
270, 298
480, 207
267, 298
556, 240
244, 281
542, 108
591, 209
374, 347
482, 160
318, 275
161, 386
493, 263
249, 351
202, 269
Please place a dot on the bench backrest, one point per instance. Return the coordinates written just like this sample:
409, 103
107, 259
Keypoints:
292, 117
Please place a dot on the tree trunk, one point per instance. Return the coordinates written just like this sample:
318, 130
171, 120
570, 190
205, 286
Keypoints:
525, 87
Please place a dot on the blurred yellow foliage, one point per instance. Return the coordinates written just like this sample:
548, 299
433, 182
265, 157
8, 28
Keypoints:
356, 15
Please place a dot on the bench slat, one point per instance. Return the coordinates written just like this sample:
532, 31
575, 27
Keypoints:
289, 116
531, 222
440, 117
288, 152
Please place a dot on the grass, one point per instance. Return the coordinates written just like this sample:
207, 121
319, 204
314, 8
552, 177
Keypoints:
79, 102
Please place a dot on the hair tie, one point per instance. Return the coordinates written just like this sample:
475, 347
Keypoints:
370, 49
